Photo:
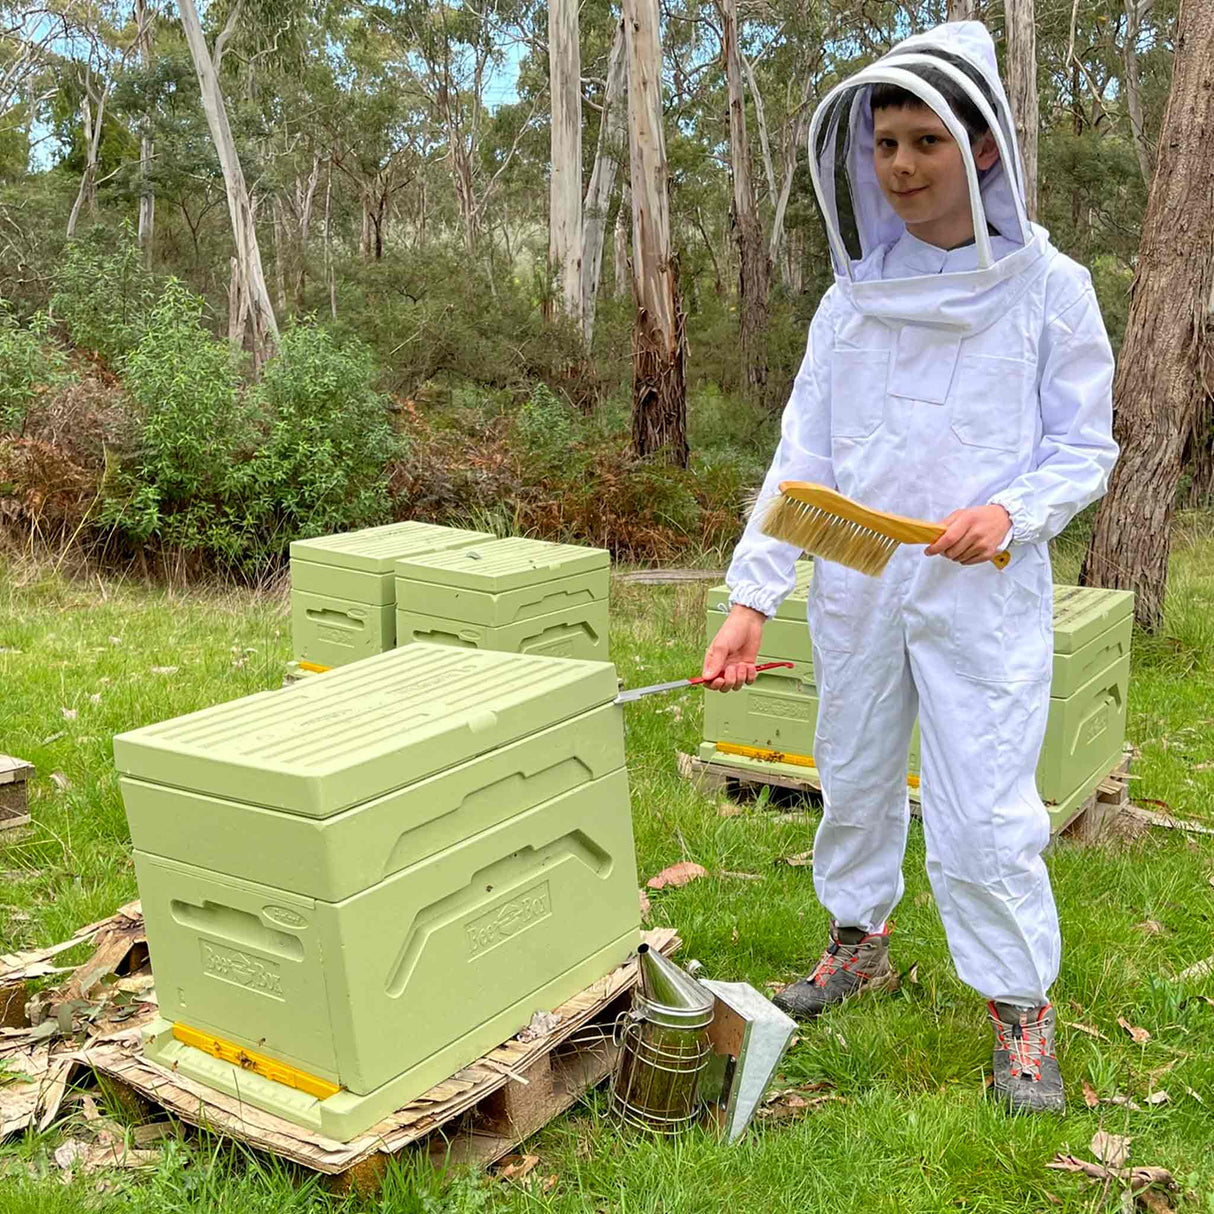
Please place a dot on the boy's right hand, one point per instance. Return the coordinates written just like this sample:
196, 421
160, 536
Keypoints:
729, 662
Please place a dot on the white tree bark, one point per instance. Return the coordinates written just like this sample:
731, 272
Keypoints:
147, 150
602, 180
962, 10
620, 242
1022, 89
800, 134
1134, 13
659, 403
565, 182
251, 305
87, 193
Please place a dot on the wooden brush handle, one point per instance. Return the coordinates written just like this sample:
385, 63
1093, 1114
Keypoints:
897, 526
1000, 560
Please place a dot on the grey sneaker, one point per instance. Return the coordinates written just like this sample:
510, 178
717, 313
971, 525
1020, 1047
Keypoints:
1027, 1078
855, 961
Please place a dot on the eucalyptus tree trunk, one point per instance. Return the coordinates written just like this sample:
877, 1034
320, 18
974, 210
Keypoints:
962, 10
1021, 33
1135, 10
607, 159
1165, 372
147, 149
91, 121
250, 310
659, 349
565, 180
754, 269
620, 242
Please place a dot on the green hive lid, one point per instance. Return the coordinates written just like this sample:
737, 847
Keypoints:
1082, 613
375, 549
341, 738
502, 565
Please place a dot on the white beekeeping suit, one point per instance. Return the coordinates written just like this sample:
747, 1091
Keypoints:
936, 380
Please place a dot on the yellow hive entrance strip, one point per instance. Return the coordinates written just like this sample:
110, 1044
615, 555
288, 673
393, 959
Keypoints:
781, 756
268, 1068
314, 667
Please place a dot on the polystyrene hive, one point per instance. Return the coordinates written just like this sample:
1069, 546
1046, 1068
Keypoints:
374, 876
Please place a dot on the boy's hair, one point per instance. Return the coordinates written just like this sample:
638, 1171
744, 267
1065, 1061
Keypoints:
893, 96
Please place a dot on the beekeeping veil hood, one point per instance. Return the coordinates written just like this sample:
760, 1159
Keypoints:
860, 222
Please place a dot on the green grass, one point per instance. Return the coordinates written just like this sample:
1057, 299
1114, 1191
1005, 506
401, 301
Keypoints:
913, 1130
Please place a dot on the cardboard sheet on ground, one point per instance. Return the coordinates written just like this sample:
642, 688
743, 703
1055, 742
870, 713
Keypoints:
120, 1056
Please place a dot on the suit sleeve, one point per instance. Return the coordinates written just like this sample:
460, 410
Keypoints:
762, 572
1075, 452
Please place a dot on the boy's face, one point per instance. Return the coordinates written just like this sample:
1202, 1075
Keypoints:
922, 174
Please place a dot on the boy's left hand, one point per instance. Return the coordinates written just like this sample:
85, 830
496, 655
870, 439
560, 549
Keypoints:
972, 536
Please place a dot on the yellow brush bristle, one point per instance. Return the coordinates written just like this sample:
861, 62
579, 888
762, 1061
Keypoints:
823, 534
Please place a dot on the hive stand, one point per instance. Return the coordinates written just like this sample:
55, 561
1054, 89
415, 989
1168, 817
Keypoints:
1091, 821
476, 1116
14, 797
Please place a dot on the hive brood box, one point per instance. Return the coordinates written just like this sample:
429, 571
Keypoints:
1085, 730
512, 595
365, 881
343, 593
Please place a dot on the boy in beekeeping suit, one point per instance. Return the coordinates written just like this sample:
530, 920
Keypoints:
958, 370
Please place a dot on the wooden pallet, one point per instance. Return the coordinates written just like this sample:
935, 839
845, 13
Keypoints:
14, 798
1090, 823
476, 1116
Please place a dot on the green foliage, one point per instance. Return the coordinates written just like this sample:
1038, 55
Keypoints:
103, 293
30, 367
189, 468
548, 427
323, 467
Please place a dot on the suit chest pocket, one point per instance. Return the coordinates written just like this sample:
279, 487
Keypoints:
992, 402
858, 381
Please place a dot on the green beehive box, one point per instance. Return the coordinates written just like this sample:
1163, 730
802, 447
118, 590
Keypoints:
515, 595
343, 591
786, 635
1093, 629
427, 848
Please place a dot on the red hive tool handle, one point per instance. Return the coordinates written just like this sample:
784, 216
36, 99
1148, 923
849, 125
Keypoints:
765, 666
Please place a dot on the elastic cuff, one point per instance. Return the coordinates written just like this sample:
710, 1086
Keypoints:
1021, 532
755, 597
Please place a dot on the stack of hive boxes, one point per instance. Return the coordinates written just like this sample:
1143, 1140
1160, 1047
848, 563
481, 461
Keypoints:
356, 887
769, 726
364, 592
343, 588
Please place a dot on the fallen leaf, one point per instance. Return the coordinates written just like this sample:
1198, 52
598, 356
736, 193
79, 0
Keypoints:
1153, 926
1125, 1102
95, 698
517, 1166
115, 640
842, 1041
677, 874
1052, 1198
646, 905
741, 876
154, 1131
1154, 1203
802, 859
727, 809
1141, 1036
165, 669
924, 898
912, 974
54, 737
69, 714
1089, 1095
550, 1183
1160, 1097
734, 935
91, 1111
68, 1154
60, 781
1087, 1028
1194, 1095
792, 819
1112, 1149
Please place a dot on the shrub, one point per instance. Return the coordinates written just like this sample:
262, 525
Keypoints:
30, 368
182, 484
323, 466
103, 295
